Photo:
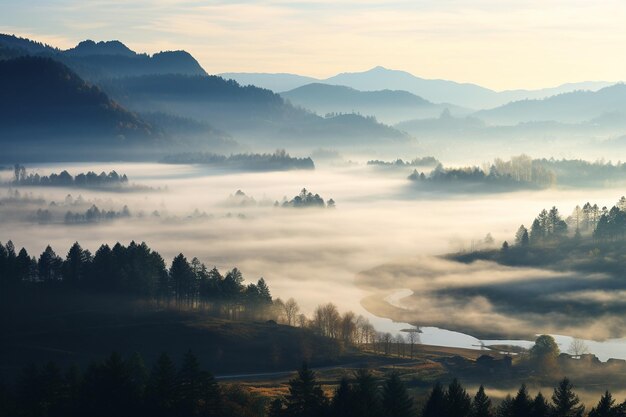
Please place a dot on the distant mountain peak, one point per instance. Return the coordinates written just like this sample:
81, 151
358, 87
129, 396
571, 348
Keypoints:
89, 47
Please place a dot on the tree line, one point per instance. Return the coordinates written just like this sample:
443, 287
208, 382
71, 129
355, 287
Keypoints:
135, 270
65, 179
306, 199
280, 160
602, 224
518, 171
121, 387
138, 271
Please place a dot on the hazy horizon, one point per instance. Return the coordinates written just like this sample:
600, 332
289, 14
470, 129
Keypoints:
499, 45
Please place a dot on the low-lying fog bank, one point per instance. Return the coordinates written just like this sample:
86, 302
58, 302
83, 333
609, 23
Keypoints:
310, 254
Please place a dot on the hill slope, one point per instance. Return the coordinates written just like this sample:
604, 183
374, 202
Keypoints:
246, 111
45, 107
389, 106
567, 108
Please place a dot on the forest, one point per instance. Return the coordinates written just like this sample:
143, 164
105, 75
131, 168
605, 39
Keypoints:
65, 179
277, 161
128, 387
523, 172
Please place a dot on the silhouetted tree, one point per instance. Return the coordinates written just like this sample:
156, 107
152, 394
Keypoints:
565, 401
481, 405
395, 399
306, 398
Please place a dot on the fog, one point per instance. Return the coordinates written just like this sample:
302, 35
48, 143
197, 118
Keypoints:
379, 226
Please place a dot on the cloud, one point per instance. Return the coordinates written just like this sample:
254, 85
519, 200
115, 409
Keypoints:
495, 43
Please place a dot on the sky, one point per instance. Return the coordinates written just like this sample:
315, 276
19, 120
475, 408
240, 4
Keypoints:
500, 44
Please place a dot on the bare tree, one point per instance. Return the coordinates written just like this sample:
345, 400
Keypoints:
348, 327
414, 337
302, 320
279, 309
578, 347
291, 309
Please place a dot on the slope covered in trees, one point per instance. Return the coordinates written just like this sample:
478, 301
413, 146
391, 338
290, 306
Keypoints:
386, 105
242, 110
45, 105
569, 107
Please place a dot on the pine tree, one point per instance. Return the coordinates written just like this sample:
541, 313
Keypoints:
458, 402
565, 401
161, 388
522, 404
395, 399
481, 406
367, 399
606, 406
540, 408
306, 398
435, 405
505, 409
343, 401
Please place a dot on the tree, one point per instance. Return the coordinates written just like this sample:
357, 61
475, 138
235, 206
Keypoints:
342, 404
49, 266
577, 348
75, 267
291, 308
414, 337
306, 398
481, 406
565, 402
182, 278
522, 403
458, 402
366, 395
436, 403
521, 236
395, 399
161, 394
606, 407
540, 408
544, 353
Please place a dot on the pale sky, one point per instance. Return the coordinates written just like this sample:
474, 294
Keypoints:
500, 44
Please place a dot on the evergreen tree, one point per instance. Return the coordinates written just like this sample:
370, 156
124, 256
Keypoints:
565, 401
161, 396
481, 406
458, 402
505, 409
521, 237
522, 403
395, 399
540, 408
436, 403
606, 407
306, 398
366, 395
342, 404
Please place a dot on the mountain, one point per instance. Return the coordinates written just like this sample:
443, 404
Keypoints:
274, 82
573, 107
100, 60
89, 47
46, 105
437, 91
388, 106
245, 111
172, 84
